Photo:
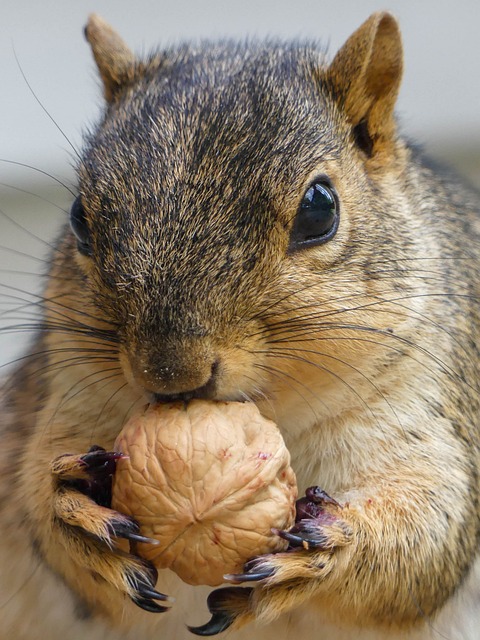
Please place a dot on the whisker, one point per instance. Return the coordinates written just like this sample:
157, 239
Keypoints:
51, 351
44, 173
47, 328
37, 99
68, 396
287, 356
33, 195
278, 373
24, 584
35, 274
30, 233
23, 254
447, 370
408, 314
288, 351
58, 366
441, 275
42, 301
361, 307
126, 416
112, 396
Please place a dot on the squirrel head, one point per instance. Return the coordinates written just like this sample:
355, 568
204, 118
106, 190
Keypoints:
225, 200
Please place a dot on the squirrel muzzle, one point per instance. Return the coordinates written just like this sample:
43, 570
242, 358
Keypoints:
171, 371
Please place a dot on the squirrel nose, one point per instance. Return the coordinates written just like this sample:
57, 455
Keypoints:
205, 392
177, 375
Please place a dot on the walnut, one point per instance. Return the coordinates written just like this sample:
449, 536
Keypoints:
208, 480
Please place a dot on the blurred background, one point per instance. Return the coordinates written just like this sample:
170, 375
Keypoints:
42, 45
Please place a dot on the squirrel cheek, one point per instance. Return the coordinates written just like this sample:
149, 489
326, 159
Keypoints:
242, 375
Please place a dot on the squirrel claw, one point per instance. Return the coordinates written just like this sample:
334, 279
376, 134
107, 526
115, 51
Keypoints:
217, 623
301, 539
90, 473
98, 461
136, 537
149, 605
315, 533
313, 503
225, 605
249, 577
128, 528
145, 594
253, 572
319, 496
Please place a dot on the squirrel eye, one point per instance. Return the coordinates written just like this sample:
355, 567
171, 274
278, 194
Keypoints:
79, 227
318, 216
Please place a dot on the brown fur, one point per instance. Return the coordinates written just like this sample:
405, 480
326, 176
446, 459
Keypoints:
363, 349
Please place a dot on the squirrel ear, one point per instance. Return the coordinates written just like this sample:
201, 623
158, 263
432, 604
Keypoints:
366, 75
115, 61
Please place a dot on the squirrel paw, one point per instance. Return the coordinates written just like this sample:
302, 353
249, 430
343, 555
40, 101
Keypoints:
318, 529
90, 529
285, 577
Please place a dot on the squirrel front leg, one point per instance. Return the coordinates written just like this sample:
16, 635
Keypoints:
388, 552
66, 498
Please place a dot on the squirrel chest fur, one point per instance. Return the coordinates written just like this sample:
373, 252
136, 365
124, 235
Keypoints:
250, 226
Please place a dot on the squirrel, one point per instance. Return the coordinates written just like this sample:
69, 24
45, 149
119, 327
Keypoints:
250, 225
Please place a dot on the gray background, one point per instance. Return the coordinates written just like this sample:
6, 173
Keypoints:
439, 103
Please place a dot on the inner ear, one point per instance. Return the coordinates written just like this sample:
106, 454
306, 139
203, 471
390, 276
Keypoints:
363, 138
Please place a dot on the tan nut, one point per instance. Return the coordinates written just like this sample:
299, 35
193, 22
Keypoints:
208, 480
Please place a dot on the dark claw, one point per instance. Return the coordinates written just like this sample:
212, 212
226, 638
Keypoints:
135, 537
251, 573
315, 494
251, 564
129, 529
100, 466
313, 503
300, 539
218, 623
225, 605
145, 590
155, 595
145, 598
248, 577
98, 461
149, 605
306, 508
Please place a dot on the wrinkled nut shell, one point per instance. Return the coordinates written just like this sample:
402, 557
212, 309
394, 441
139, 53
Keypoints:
208, 480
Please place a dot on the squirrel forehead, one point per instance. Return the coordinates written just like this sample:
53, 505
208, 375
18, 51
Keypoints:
209, 147
220, 113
